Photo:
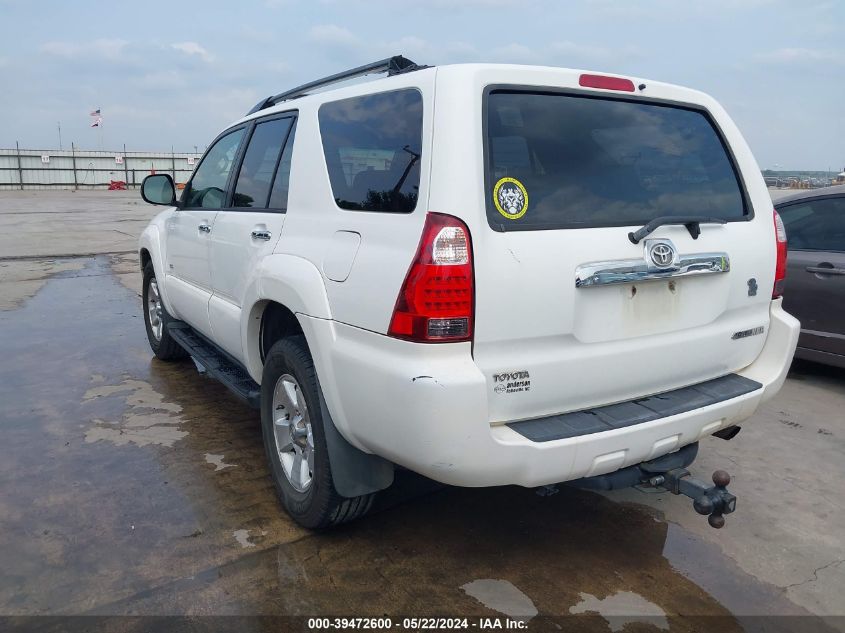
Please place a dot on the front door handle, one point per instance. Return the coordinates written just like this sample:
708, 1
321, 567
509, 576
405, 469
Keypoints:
261, 234
825, 270
205, 227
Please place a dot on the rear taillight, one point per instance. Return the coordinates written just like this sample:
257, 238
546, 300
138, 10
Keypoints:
435, 304
780, 266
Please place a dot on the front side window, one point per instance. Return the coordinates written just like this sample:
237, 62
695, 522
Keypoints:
373, 145
817, 225
567, 161
255, 177
207, 189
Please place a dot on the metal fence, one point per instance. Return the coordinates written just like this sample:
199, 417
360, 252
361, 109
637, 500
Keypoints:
87, 169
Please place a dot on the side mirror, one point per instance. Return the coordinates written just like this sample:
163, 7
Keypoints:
158, 189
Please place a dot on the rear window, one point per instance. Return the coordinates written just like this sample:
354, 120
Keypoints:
558, 161
373, 146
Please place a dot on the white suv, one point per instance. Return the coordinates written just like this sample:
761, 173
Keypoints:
487, 274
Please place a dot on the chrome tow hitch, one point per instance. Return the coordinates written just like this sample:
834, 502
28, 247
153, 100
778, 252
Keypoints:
670, 473
714, 501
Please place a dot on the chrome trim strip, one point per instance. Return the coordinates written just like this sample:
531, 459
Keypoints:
624, 271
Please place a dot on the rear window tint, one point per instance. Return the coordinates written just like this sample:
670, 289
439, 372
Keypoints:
562, 161
373, 145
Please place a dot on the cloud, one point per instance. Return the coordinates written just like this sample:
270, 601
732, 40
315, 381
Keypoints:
256, 35
802, 56
417, 48
514, 53
332, 35
168, 79
103, 48
280, 67
480, 4
582, 51
563, 53
193, 49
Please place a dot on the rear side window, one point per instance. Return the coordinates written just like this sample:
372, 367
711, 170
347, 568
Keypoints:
259, 164
373, 145
817, 225
562, 161
281, 184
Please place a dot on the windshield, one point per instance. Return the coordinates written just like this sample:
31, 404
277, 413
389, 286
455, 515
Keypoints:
563, 161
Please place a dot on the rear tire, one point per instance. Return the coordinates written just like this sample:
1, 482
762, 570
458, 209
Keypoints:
156, 319
292, 427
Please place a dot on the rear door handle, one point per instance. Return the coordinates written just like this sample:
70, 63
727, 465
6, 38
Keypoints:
824, 270
205, 227
261, 234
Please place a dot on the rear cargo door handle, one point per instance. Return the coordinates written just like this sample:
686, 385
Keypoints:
205, 227
823, 269
261, 234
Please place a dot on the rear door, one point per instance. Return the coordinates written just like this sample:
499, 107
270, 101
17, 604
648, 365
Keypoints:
250, 225
569, 312
188, 276
815, 291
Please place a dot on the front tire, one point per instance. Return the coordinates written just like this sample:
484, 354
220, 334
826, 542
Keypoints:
156, 319
292, 427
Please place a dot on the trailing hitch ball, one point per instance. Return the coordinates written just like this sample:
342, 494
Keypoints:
714, 501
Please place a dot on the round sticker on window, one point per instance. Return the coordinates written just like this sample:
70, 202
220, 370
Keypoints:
510, 198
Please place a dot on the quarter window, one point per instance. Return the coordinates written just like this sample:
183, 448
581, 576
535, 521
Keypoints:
279, 194
373, 146
817, 225
207, 189
259, 164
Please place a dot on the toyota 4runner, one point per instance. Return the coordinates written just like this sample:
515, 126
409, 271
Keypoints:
487, 274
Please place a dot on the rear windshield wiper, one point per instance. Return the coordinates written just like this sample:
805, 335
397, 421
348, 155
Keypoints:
692, 222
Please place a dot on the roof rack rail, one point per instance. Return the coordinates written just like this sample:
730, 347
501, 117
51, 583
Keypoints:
392, 66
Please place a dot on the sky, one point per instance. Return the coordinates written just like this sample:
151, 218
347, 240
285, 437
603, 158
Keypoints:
173, 74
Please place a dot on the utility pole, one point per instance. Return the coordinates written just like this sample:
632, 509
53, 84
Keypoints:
73, 154
20, 170
125, 166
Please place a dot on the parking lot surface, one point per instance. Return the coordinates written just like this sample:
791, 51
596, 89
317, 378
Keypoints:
136, 487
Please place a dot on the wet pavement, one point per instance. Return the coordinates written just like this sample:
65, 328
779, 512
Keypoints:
136, 487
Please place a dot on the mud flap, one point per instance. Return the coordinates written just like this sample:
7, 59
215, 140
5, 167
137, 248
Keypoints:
354, 472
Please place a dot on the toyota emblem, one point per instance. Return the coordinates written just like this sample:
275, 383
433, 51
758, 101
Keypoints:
662, 254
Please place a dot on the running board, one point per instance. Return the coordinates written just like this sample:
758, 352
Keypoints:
217, 363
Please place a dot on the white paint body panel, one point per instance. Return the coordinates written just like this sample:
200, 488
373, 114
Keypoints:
234, 259
432, 408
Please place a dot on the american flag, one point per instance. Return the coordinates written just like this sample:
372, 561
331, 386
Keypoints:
96, 112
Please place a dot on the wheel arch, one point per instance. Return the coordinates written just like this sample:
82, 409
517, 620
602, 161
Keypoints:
354, 472
151, 250
281, 287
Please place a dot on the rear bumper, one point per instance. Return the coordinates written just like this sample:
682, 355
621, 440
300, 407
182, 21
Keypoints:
425, 407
